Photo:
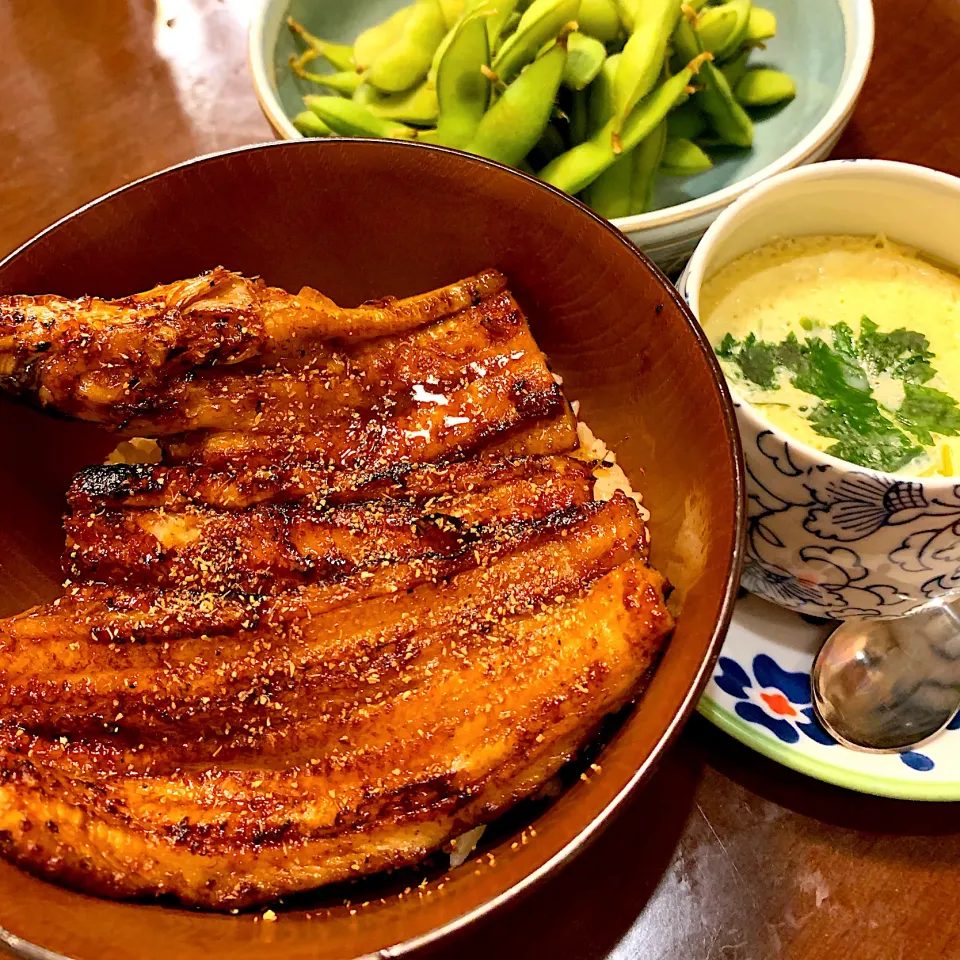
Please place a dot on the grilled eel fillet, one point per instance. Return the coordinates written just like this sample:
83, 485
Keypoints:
308, 646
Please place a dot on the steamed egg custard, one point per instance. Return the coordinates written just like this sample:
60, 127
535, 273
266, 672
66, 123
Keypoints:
850, 344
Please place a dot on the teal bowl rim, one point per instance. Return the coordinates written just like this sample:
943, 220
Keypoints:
858, 20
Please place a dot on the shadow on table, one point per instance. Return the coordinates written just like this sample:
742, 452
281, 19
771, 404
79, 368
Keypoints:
822, 801
610, 882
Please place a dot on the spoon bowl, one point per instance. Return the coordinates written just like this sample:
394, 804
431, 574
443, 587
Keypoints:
884, 686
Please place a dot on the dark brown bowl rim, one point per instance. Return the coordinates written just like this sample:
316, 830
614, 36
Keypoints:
591, 830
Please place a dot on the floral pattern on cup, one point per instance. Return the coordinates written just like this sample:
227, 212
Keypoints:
842, 542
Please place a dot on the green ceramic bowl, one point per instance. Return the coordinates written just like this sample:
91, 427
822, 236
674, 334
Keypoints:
826, 45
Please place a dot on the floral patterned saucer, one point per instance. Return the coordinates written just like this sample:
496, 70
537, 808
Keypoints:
760, 694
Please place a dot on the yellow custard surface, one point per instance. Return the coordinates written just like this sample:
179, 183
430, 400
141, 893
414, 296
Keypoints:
806, 286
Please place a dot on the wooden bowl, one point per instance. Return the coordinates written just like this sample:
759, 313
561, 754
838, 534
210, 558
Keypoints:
361, 219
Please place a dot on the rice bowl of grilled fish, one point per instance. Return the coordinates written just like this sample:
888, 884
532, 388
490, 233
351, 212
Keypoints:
343, 584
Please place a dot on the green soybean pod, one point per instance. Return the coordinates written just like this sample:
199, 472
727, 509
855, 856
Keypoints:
585, 59
407, 61
734, 69
580, 166
338, 55
609, 194
344, 81
646, 157
714, 27
542, 21
366, 94
600, 102
683, 158
511, 128
599, 19
419, 106
735, 35
501, 12
348, 119
627, 12
762, 87
762, 25
686, 121
310, 125
642, 59
463, 92
378, 39
685, 40
726, 116
452, 11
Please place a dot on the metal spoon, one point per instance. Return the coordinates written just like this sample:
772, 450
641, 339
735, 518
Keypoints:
884, 686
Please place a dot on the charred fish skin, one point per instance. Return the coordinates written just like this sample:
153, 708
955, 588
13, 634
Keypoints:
109, 360
364, 603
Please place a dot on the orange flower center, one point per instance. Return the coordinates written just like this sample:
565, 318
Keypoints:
779, 704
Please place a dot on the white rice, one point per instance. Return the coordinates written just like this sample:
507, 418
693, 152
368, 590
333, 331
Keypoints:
608, 473
464, 845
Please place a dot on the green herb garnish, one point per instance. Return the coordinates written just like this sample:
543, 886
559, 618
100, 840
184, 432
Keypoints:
926, 410
903, 354
839, 374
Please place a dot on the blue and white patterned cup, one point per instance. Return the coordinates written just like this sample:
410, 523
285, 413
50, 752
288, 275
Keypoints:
827, 537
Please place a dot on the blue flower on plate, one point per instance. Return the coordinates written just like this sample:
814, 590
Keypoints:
781, 702
774, 698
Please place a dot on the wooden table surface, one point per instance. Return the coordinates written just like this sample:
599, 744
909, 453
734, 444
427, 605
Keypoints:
724, 855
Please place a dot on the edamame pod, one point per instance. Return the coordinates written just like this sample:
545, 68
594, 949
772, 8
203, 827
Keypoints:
724, 43
344, 81
513, 21
686, 121
585, 58
734, 69
685, 40
542, 21
338, 55
762, 25
646, 159
714, 26
366, 95
452, 11
511, 128
348, 119
418, 106
600, 103
609, 194
683, 158
408, 60
599, 19
726, 116
762, 87
379, 38
462, 89
579, 167
642, 58
501, 12
310, 125
627, 11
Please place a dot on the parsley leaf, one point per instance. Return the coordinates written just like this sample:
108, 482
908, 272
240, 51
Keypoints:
837, 373
926, 410
756, 359
904, 354
865, 436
